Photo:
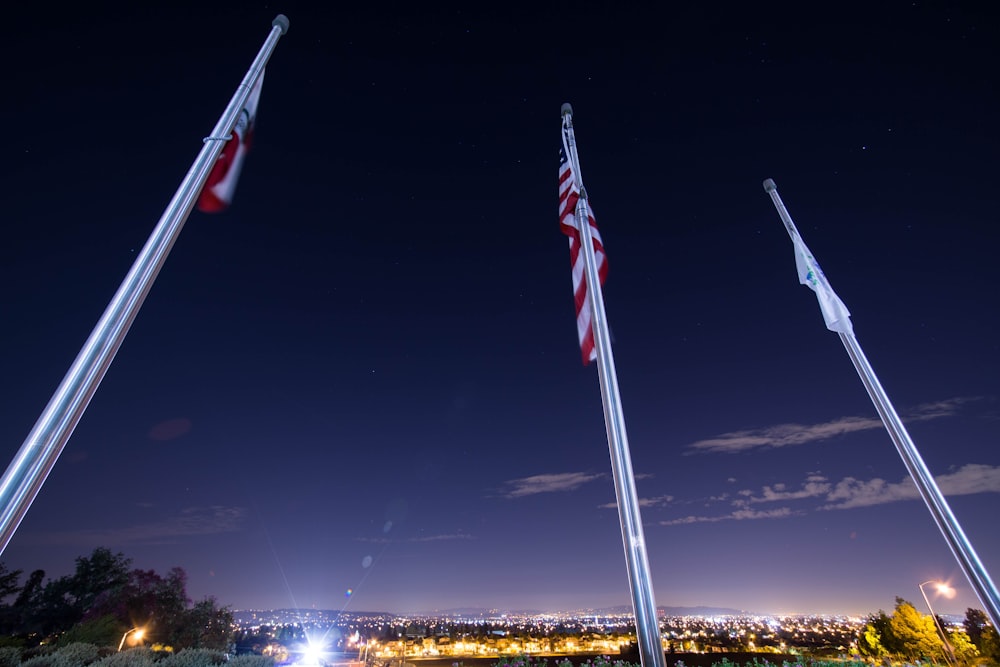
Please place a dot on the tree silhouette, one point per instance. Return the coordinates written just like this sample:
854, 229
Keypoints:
103, 598
905, 635
874, 637
916, 633
983, 635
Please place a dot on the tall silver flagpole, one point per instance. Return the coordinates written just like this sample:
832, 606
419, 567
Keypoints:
33, 462
946, 522
643, 603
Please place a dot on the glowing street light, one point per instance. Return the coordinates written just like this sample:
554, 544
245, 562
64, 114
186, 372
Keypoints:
138, 635
949, 592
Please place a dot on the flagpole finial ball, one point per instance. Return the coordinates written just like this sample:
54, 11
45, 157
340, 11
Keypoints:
281, 21
769, 185
567, 108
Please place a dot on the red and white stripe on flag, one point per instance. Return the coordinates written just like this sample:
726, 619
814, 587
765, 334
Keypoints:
569, 194
217, 194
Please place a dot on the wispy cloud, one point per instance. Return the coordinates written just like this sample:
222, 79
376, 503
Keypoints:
444, 537
188, 522
448, 537
782, 435
786, 435
552, 483
735, 515
848, 493
814, 486
657, 501
946, 408
967, 480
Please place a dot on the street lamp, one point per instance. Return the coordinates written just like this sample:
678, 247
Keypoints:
138, 635
949, 592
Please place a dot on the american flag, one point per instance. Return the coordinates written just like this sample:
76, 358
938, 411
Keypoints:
568, 196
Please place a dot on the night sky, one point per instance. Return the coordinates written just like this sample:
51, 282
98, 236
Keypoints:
360, 387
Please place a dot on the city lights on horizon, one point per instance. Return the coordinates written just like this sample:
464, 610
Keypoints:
388, 637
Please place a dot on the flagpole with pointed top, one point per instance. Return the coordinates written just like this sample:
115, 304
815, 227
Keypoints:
637, 563
33, 462
838, 319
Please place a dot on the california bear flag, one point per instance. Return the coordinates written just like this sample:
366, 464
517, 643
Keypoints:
217, 194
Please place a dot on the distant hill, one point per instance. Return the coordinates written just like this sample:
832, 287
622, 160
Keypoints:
284, 615
583, 613
670, 611
702, 611
479, 611
620, 610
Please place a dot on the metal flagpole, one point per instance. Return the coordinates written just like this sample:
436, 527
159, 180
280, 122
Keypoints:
946, 522
643, 604
33, 462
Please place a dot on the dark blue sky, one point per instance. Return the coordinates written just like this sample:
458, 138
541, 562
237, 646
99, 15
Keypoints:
364, 376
